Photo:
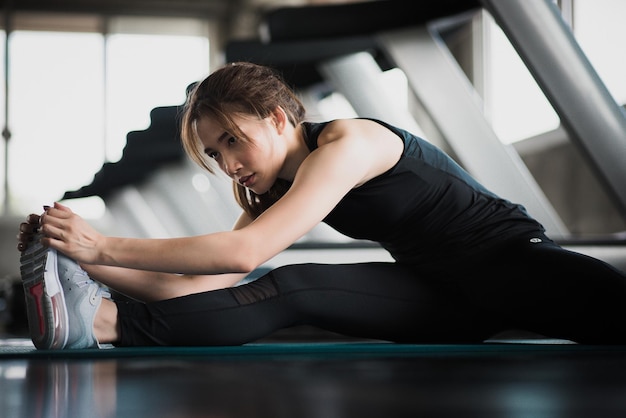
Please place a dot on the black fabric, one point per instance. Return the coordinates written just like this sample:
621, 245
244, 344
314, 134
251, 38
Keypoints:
426, 208
470, 265
535, 286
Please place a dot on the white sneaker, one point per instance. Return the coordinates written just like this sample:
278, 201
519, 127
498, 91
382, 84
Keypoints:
61, 299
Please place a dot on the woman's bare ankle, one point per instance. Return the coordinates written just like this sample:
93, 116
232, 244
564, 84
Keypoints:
106, 326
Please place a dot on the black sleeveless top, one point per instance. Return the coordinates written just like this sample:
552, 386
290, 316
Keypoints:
426, 208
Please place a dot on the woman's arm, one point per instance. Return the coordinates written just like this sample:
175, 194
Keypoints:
147, 286
350, 153
143, 285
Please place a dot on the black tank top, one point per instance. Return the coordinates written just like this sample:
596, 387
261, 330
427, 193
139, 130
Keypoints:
426, 208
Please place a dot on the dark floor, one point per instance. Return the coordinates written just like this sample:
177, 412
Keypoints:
323, 379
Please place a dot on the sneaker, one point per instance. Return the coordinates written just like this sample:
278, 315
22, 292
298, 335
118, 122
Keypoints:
61, 299
83, 297
45, 302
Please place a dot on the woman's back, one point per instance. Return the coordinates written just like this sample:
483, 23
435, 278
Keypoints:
426, 207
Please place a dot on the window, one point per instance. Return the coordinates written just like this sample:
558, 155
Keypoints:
75, 95
599, 29
2, 113
146, 70
56, 115
515, 105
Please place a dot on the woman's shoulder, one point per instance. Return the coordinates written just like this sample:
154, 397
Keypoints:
353, 128
320, 133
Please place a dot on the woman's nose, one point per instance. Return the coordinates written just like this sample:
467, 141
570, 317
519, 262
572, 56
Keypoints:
230, 167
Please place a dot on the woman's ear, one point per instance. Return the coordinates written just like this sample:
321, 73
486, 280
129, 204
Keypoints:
279, 119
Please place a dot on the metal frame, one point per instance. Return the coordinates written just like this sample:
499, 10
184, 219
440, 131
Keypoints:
595, 122
358, 77
452, 103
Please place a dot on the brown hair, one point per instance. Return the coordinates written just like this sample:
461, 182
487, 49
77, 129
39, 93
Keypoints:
245, 89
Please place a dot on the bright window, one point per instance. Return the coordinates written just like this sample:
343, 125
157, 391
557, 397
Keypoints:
2, 114
516, 106
146, 71
74, 96
599, 28
56, 115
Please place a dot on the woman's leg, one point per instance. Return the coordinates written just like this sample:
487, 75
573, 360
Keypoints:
106, 326
370, 300
543, 288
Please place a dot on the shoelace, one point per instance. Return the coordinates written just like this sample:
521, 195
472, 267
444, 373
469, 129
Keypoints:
87, 281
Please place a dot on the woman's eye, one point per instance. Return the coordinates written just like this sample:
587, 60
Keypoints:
213, 154
231, 140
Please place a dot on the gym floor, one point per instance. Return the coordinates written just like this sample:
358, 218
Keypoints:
325, 379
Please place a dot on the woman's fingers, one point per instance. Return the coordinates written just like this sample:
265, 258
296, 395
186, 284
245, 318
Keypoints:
29, 227
61, 229
27, 231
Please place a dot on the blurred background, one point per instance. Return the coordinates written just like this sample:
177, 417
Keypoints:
92, 90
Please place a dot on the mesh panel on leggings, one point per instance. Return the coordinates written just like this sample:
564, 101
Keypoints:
260, 289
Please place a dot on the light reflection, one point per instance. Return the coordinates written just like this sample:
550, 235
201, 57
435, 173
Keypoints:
68, 389
201, 183
530, 400
13, 372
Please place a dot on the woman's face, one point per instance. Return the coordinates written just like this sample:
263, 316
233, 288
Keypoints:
254, 164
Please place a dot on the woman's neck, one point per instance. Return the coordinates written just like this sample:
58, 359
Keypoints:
296, 152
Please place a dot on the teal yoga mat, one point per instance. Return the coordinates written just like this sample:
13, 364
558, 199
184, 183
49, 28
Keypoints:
22, 349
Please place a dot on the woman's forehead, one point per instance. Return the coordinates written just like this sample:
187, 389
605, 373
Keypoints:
210, 128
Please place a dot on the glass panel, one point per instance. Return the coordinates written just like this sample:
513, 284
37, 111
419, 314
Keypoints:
2, 114
144, 72
515, 105
599, 29
56, 115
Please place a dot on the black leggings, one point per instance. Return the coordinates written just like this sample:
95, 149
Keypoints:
539, 287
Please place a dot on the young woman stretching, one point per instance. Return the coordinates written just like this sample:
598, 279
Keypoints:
468, 264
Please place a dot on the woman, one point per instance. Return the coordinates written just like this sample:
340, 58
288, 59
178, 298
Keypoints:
468, 264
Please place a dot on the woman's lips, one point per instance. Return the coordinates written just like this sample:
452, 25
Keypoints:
246, 181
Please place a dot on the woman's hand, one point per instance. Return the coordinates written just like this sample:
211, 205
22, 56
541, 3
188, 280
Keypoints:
70, 234
27, 232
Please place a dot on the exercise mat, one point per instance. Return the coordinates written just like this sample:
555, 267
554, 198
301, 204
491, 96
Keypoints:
12, 349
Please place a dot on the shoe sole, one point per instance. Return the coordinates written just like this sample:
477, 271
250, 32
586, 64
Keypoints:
45, 301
